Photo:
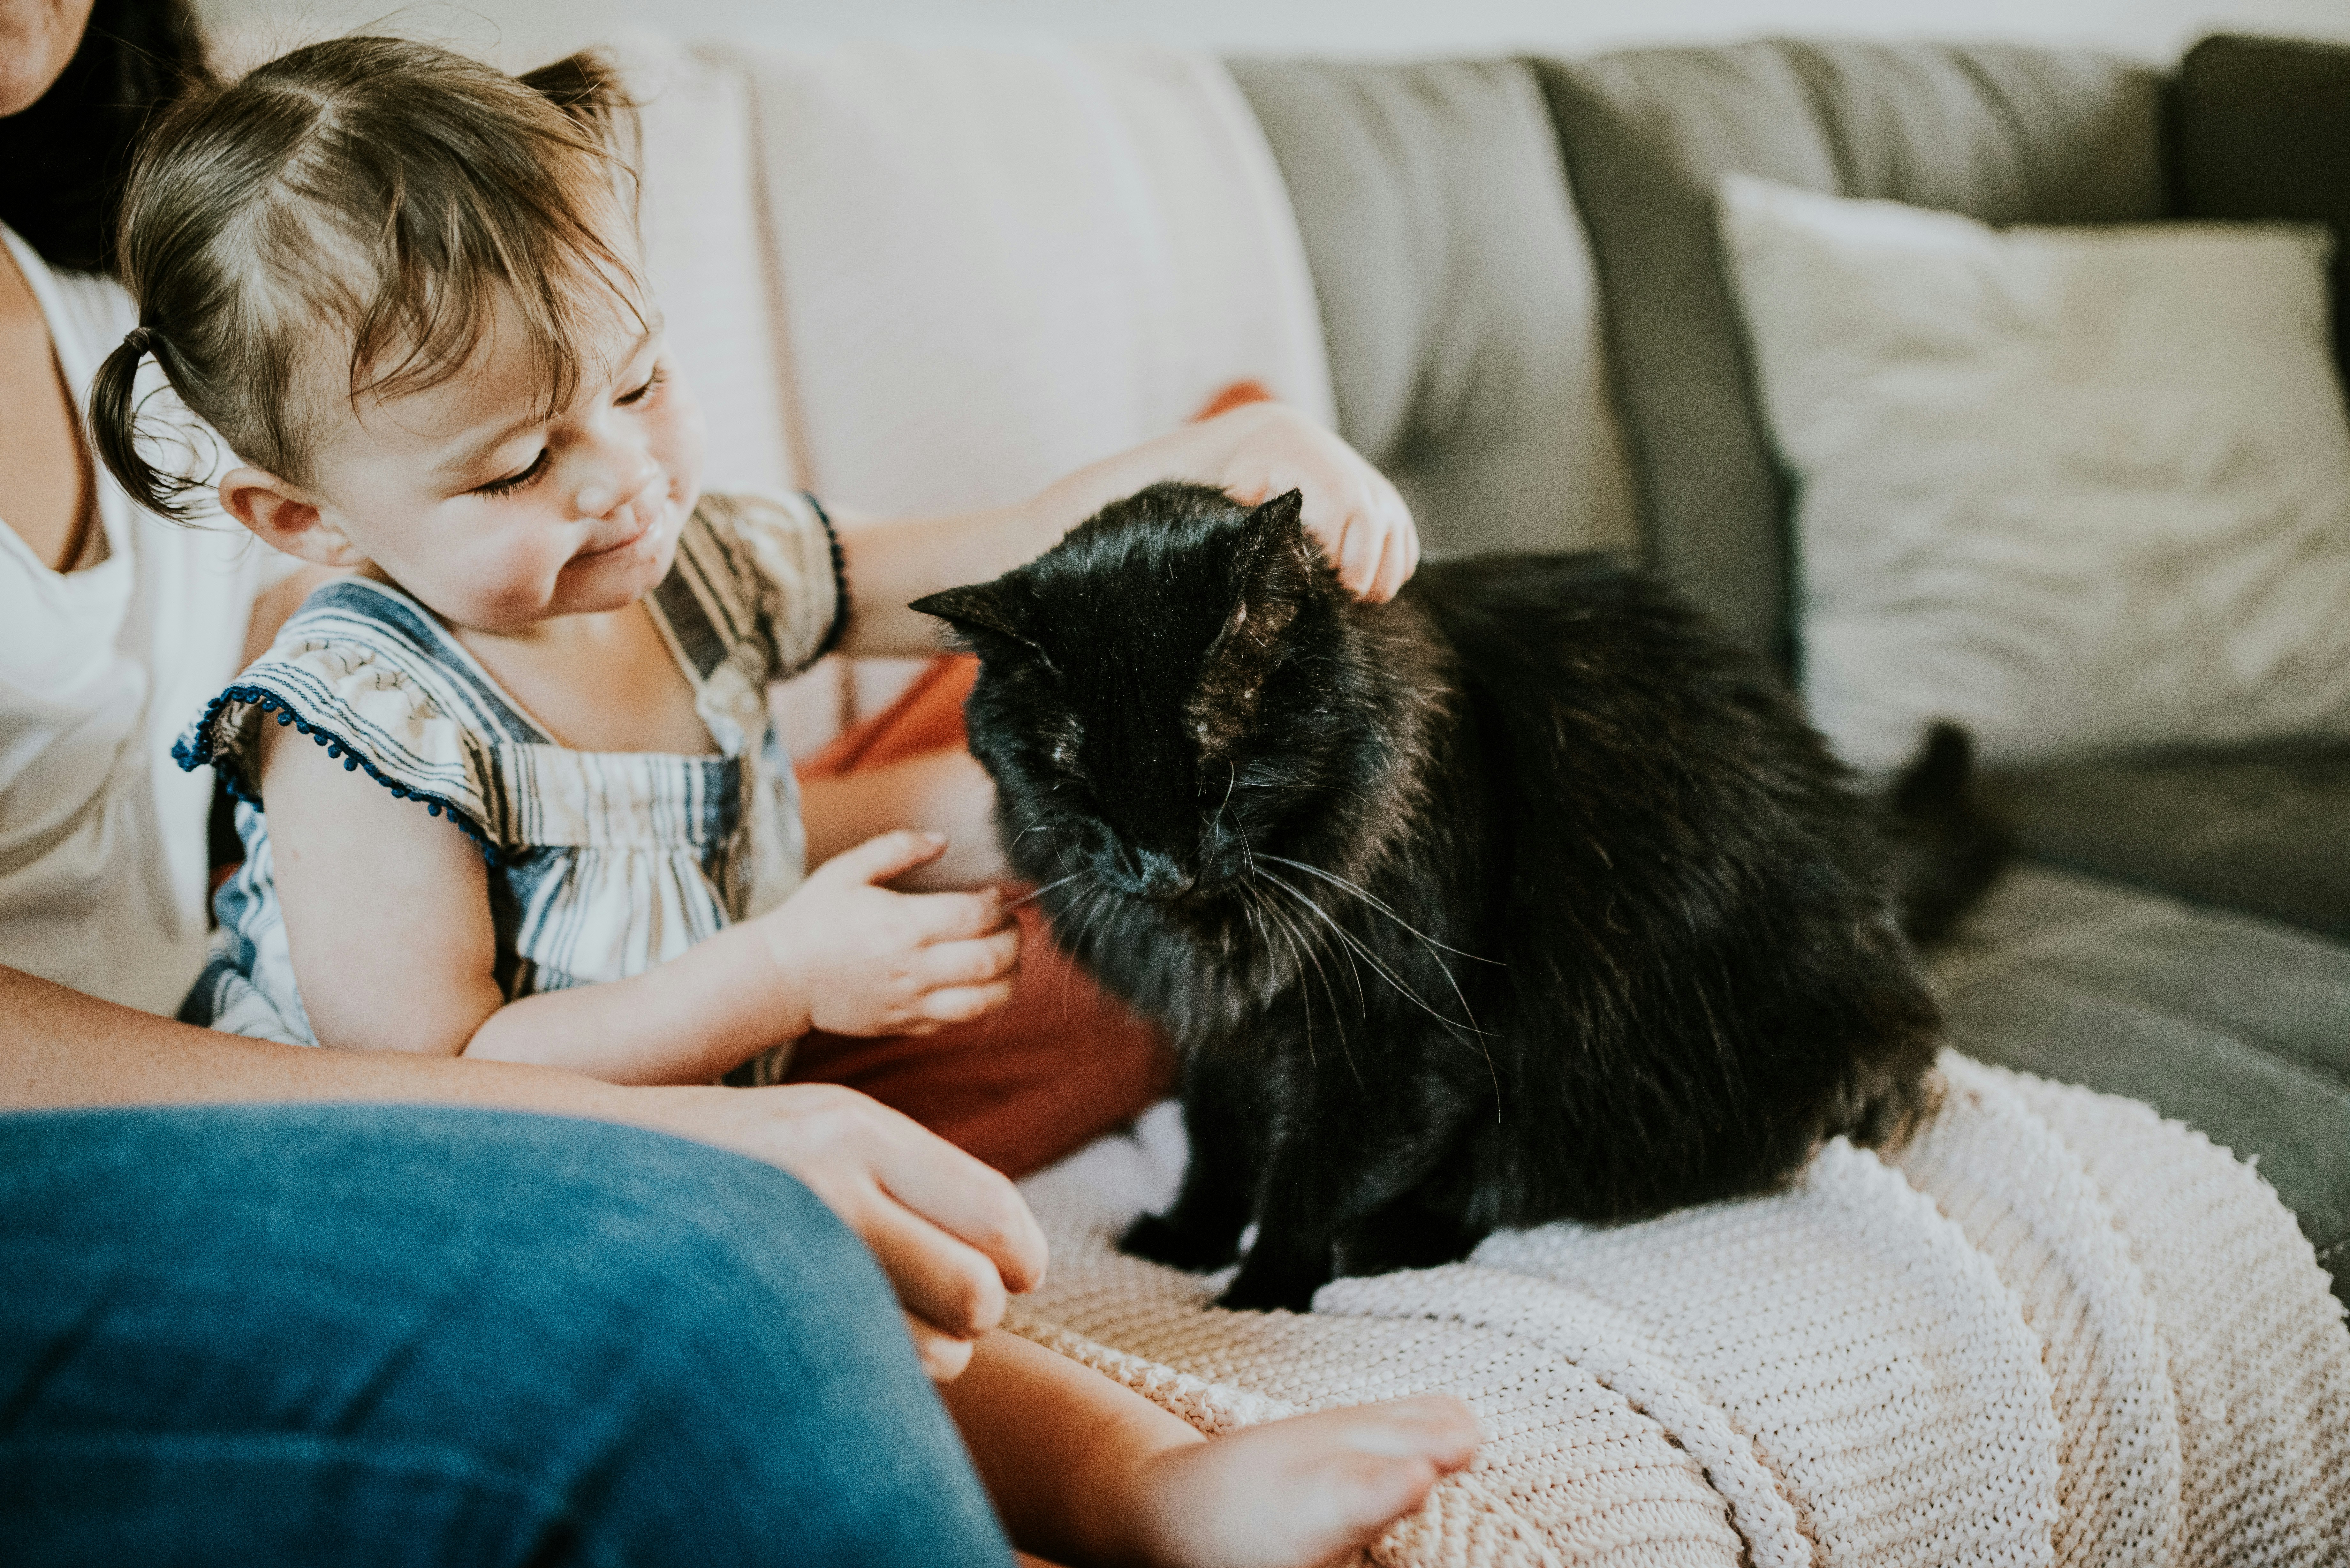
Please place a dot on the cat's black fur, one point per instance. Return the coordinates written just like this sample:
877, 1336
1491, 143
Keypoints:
1522, 897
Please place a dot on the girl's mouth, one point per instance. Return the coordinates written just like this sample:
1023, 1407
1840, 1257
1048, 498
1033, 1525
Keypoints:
644, 530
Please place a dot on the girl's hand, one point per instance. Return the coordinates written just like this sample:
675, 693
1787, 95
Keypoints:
863, 959
1353, 512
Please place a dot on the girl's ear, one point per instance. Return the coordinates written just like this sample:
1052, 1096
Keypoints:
284, 517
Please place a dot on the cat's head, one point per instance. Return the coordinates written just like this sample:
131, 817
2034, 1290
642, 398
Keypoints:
1171, 689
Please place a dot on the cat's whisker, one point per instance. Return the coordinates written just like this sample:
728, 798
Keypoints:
1305, 996
1302, 941
1314, 788
1379, 966
1362, 1001
1264, 932
1380, 905
1101, 897
1036, 893
1457, 994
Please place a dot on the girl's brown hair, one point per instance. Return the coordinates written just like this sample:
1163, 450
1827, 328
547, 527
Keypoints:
375, 191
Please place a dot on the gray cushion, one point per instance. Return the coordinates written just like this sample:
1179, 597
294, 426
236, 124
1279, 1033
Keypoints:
2263, 831
2262, 129
2005, 135
1457, 295
2239, 1027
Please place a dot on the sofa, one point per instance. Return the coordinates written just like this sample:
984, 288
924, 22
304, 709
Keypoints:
2174, 926
1515, 304
918, 278
1527, 326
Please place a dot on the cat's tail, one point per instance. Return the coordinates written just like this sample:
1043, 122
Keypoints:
1948, 847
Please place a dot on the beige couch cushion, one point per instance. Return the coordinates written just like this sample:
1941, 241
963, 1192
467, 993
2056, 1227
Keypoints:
2005, 135
1457, 294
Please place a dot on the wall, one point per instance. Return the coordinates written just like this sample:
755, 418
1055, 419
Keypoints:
519, 31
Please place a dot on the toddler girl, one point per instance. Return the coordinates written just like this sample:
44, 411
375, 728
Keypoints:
511, 788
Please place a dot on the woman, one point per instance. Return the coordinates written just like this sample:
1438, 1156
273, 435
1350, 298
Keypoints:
244, 1329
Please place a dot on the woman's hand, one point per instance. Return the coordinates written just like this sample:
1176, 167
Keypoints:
952, 1234
1353, 512
867, 961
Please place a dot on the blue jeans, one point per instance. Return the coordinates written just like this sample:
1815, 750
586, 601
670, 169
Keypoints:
395, 1334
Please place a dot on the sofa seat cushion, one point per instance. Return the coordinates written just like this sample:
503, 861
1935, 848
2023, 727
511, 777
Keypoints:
2237, 1026
2003, 135
2263, 831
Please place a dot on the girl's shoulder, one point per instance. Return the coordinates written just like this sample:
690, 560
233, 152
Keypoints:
366, 672
763, 570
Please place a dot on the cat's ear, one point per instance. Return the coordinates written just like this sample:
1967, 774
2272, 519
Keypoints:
1275, 571
980, 611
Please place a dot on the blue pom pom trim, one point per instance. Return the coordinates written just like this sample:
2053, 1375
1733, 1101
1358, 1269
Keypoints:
205, 751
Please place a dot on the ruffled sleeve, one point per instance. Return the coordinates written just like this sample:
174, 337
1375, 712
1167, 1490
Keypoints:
784, 562
354, 673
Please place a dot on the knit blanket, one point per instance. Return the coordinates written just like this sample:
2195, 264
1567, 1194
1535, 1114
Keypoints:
2053, 1328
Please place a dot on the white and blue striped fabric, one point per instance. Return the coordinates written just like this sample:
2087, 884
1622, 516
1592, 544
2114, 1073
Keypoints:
601, 864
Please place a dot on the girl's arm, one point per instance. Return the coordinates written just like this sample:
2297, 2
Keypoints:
387, 923
1257, 451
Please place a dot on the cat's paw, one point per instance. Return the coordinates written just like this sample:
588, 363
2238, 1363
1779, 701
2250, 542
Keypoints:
1157, 1239
1265, 1289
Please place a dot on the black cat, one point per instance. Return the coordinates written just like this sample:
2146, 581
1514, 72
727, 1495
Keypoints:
1522, 897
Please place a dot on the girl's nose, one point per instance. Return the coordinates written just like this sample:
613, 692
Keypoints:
620, 482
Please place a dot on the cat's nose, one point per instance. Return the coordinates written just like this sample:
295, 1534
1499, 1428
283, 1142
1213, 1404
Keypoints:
1156, 876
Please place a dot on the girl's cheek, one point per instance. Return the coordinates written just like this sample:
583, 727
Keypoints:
677, 436
509, 579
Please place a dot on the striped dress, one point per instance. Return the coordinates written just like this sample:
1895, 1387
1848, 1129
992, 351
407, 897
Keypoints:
601, 864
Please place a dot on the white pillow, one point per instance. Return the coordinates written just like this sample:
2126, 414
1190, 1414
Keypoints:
2080, 489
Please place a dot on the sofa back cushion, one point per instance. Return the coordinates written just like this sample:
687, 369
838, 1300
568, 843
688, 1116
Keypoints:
2004, 135
1457, 295
2263, 130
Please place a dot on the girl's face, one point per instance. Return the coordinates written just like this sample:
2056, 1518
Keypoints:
498, 517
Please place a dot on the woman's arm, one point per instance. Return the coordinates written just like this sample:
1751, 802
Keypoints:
953, 1233
1257, 451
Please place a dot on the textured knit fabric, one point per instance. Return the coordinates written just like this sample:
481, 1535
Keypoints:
2053, 1328
601, 864
2239, 1027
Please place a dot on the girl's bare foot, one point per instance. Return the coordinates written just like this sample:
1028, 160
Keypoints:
1297, 1493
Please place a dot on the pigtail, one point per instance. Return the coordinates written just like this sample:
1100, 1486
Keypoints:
587, 88
114, 428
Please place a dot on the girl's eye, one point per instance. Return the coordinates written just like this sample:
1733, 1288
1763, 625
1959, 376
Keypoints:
513, 481
652, 383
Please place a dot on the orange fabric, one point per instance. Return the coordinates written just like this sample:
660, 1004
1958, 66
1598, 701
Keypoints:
926, 717
1233, 397
1062, 1063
